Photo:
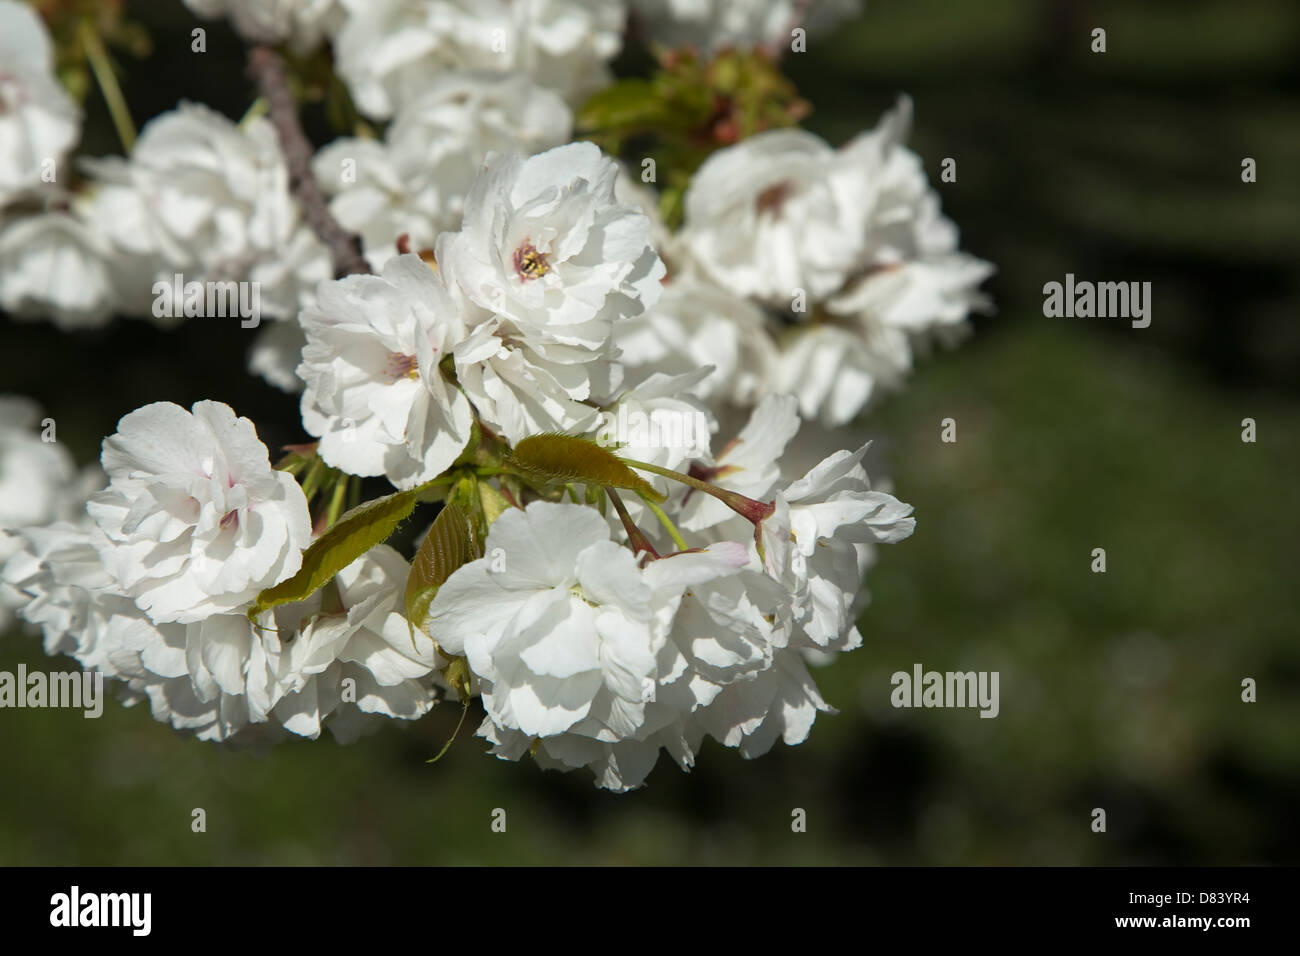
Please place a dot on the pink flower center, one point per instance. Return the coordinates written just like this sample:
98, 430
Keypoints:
401, 366
529, 263
773, 197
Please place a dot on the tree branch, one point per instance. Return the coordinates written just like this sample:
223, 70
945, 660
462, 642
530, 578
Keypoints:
268, 70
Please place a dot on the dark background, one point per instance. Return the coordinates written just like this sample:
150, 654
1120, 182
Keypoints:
1118, 690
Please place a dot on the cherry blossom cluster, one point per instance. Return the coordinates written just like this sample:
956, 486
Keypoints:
649, 524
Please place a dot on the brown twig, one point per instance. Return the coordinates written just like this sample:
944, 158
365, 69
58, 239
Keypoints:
268, 70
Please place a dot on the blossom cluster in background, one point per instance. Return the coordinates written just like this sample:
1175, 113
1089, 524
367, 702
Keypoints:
637, 394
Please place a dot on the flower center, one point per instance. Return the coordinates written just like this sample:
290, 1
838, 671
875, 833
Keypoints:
576, 591
529, 263
11, 94
401, 365
773, 197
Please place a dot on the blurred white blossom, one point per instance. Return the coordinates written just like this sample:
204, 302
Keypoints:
415, 181
39, 122
715, 24
301, 23
391, 51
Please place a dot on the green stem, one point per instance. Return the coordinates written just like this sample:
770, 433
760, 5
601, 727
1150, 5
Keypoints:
312, 478
675, 475
102, 67
748, 508
665, 521
335, 508
454, 734
259, 107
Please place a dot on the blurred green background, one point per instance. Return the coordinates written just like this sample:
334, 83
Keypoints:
1118, 690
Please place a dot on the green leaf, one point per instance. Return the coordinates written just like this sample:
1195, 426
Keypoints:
450, 543
563, 458
296, 459
628, 103
355, 533
493, 502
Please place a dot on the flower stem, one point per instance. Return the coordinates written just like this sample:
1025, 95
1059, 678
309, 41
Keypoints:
102, 67
669, 473
666, 522
747, 508
335, 508
312, 478
454, 734
260, 107
635, 535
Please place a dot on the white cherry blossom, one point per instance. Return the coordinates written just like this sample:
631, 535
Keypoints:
775, 216
659, 421
549, 261
82, 612
696, 324
563, 635
565, 639
366, 640
209, 199
911, 275
577, 654
836, 370
376, 395
749, 464
546, 245
811, 542
415, 181
194, 521
782, 703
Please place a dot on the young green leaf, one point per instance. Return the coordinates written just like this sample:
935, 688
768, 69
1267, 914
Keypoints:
629, 104
564, 458
450, 543
353, 535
